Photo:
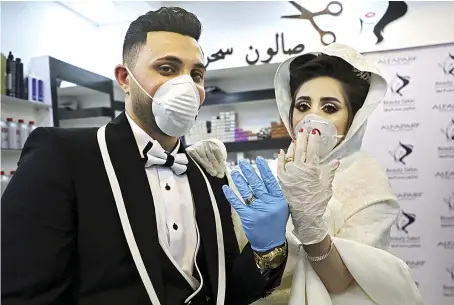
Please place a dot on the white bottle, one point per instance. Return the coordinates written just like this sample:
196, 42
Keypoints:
24, 132
4, 181
13, 134
5, 144
31, 127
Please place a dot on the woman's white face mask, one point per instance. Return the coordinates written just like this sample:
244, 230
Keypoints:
175, 105
327, 130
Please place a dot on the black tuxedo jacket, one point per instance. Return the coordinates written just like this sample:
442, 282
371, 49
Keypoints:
62, 240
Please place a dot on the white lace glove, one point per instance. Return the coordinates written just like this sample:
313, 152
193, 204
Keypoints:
307, 186
210, 154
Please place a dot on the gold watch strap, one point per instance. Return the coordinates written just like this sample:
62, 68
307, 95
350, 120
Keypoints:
271, 259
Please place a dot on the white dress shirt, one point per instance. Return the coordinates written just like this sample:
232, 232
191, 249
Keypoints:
175, 213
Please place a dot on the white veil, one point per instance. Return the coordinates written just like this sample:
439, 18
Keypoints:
377, 91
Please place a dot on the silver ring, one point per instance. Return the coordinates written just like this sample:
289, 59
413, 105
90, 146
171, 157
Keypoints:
250, 199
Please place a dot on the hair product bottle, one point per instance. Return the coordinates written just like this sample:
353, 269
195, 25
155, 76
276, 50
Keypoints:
19, 79
5, 144
3, 73
13, 134
10, 75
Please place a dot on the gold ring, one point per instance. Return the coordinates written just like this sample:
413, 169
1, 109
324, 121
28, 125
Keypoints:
250, 199
288, 159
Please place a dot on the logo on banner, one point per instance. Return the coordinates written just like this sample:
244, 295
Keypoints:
408, 196
400, 155
451, 272
448, 289
444, 86
447, 66
448, 221
401, 152
415, 264
334, 8
447, 245
445, 175
404, 221
448, 132
403, 239
449, 202
396, 60
377, 15
402, 127
443, 107
399, 83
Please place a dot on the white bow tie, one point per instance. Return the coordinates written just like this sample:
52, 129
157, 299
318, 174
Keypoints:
154, 154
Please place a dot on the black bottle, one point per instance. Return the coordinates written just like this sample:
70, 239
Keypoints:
19, 79
10, 75
25, 93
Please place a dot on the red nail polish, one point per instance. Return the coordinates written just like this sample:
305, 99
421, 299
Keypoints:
302, 130
315, 131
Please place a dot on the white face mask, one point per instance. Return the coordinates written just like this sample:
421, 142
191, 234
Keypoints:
175, 104
328, 132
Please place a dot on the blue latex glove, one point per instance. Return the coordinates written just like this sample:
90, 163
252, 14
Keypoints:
264, 219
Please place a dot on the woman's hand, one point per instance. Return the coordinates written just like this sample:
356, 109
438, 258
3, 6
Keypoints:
307, 186
211, 155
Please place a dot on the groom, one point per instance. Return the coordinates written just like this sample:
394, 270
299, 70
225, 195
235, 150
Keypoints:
121, 215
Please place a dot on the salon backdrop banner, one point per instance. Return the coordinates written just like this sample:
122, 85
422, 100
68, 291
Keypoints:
256, 33
412, 135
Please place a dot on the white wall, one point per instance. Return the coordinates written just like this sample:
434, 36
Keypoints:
32, 29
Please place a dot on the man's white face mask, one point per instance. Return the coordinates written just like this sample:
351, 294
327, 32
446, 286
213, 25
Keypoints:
328, 132
175, 105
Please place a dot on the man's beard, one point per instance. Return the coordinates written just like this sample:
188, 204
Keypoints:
142, 107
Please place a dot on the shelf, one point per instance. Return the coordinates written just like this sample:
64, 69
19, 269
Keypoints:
12, 101
12, 151
79, 91
281, 143
238, 97
225, 98
84, 113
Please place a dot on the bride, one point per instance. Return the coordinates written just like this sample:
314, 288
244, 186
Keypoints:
341, 203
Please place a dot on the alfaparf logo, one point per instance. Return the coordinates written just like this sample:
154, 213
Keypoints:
405, 220
401, 152
449, 131
399, 83
448, 65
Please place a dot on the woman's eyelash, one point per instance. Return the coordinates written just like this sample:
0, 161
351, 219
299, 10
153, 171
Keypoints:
330, 105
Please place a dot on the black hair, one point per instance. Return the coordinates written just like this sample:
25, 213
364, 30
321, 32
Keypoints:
308, 67
396, 10
166, 19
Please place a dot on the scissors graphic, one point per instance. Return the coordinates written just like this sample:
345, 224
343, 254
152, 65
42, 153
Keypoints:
334, 8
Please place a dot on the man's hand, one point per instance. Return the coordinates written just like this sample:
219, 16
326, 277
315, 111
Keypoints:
211, 155
265, 214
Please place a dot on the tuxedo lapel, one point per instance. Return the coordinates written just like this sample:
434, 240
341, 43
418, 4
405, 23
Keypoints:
205, 220
138, 200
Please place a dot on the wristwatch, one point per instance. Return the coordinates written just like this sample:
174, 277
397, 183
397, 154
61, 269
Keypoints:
271, 259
